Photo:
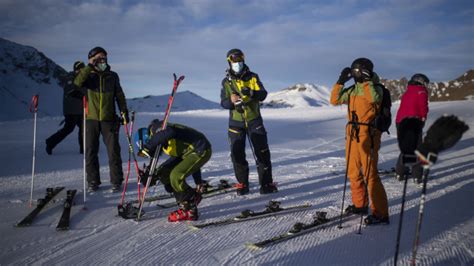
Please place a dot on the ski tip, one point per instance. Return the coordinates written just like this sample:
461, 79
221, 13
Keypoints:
253, 246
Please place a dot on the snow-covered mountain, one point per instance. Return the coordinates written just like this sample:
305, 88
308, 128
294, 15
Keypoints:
183, 101
24, 72
461, 88
298, 96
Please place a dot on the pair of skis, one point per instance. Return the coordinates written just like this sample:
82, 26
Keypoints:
272, 209
63, 223
128, 211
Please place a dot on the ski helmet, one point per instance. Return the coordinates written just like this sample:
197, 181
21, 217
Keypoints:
362, 68
78, 65
95, 51
141, 137
419, 79
235, 55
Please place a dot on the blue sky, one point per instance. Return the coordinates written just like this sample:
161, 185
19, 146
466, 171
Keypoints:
285, 42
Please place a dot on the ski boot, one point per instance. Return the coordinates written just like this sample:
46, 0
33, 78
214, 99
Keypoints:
268, 188
92, 187
373, 219
186, 212
352, 209
115, 188
241, 189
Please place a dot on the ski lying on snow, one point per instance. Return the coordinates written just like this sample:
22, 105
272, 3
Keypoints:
50, 194
64, 220
297, 230
272, 209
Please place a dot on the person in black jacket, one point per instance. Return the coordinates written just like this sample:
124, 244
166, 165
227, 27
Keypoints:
72, 110
241, 93
104, 94
188, 150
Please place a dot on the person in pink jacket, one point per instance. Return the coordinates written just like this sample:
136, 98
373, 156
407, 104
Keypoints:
410, 120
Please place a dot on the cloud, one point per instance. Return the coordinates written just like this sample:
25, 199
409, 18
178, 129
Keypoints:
286, 42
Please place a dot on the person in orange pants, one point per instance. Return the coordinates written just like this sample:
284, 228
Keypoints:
362, 139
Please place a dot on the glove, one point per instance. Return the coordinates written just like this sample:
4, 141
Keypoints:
125, 118
145, 153
247, 92
345, 76
239, 106
443, 134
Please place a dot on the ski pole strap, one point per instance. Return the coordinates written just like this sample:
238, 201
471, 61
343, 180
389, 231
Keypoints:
33, 108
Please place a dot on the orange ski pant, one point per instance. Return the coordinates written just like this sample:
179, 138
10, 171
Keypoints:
362, 170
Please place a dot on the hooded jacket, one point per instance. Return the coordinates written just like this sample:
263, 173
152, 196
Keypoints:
103, 91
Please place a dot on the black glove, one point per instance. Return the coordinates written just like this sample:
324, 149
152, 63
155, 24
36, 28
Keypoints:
247, 91
143, 174
125, 118
239, 106
345, 76
443, 134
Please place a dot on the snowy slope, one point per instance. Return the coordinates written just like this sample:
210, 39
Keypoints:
184, 101
298, 96
24, 72
307, 146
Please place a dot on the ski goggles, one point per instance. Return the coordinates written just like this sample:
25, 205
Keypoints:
234, 58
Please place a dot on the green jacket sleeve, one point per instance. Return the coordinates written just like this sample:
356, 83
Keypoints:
82, 76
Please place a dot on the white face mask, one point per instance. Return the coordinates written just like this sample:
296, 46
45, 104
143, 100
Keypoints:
237, 67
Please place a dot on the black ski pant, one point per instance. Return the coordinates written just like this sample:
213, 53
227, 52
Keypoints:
259, 142
110, 134
409, 135
70, 122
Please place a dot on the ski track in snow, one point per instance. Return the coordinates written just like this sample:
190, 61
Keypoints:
309, 169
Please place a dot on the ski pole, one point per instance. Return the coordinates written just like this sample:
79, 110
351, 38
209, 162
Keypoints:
400, 222
345, 178
402, 210
128, 133
84, 131
33, 109
157, 153
426, 170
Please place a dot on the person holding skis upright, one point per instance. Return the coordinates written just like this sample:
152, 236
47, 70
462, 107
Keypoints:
241, 93
410, 120
363, 101
188, 150
103, 91
72, 110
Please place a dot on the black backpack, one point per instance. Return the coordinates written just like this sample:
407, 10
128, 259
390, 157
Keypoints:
383, 119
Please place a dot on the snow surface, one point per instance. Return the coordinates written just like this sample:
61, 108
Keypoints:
307, 147
298, 96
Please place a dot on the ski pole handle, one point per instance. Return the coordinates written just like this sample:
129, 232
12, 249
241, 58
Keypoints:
33, 108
